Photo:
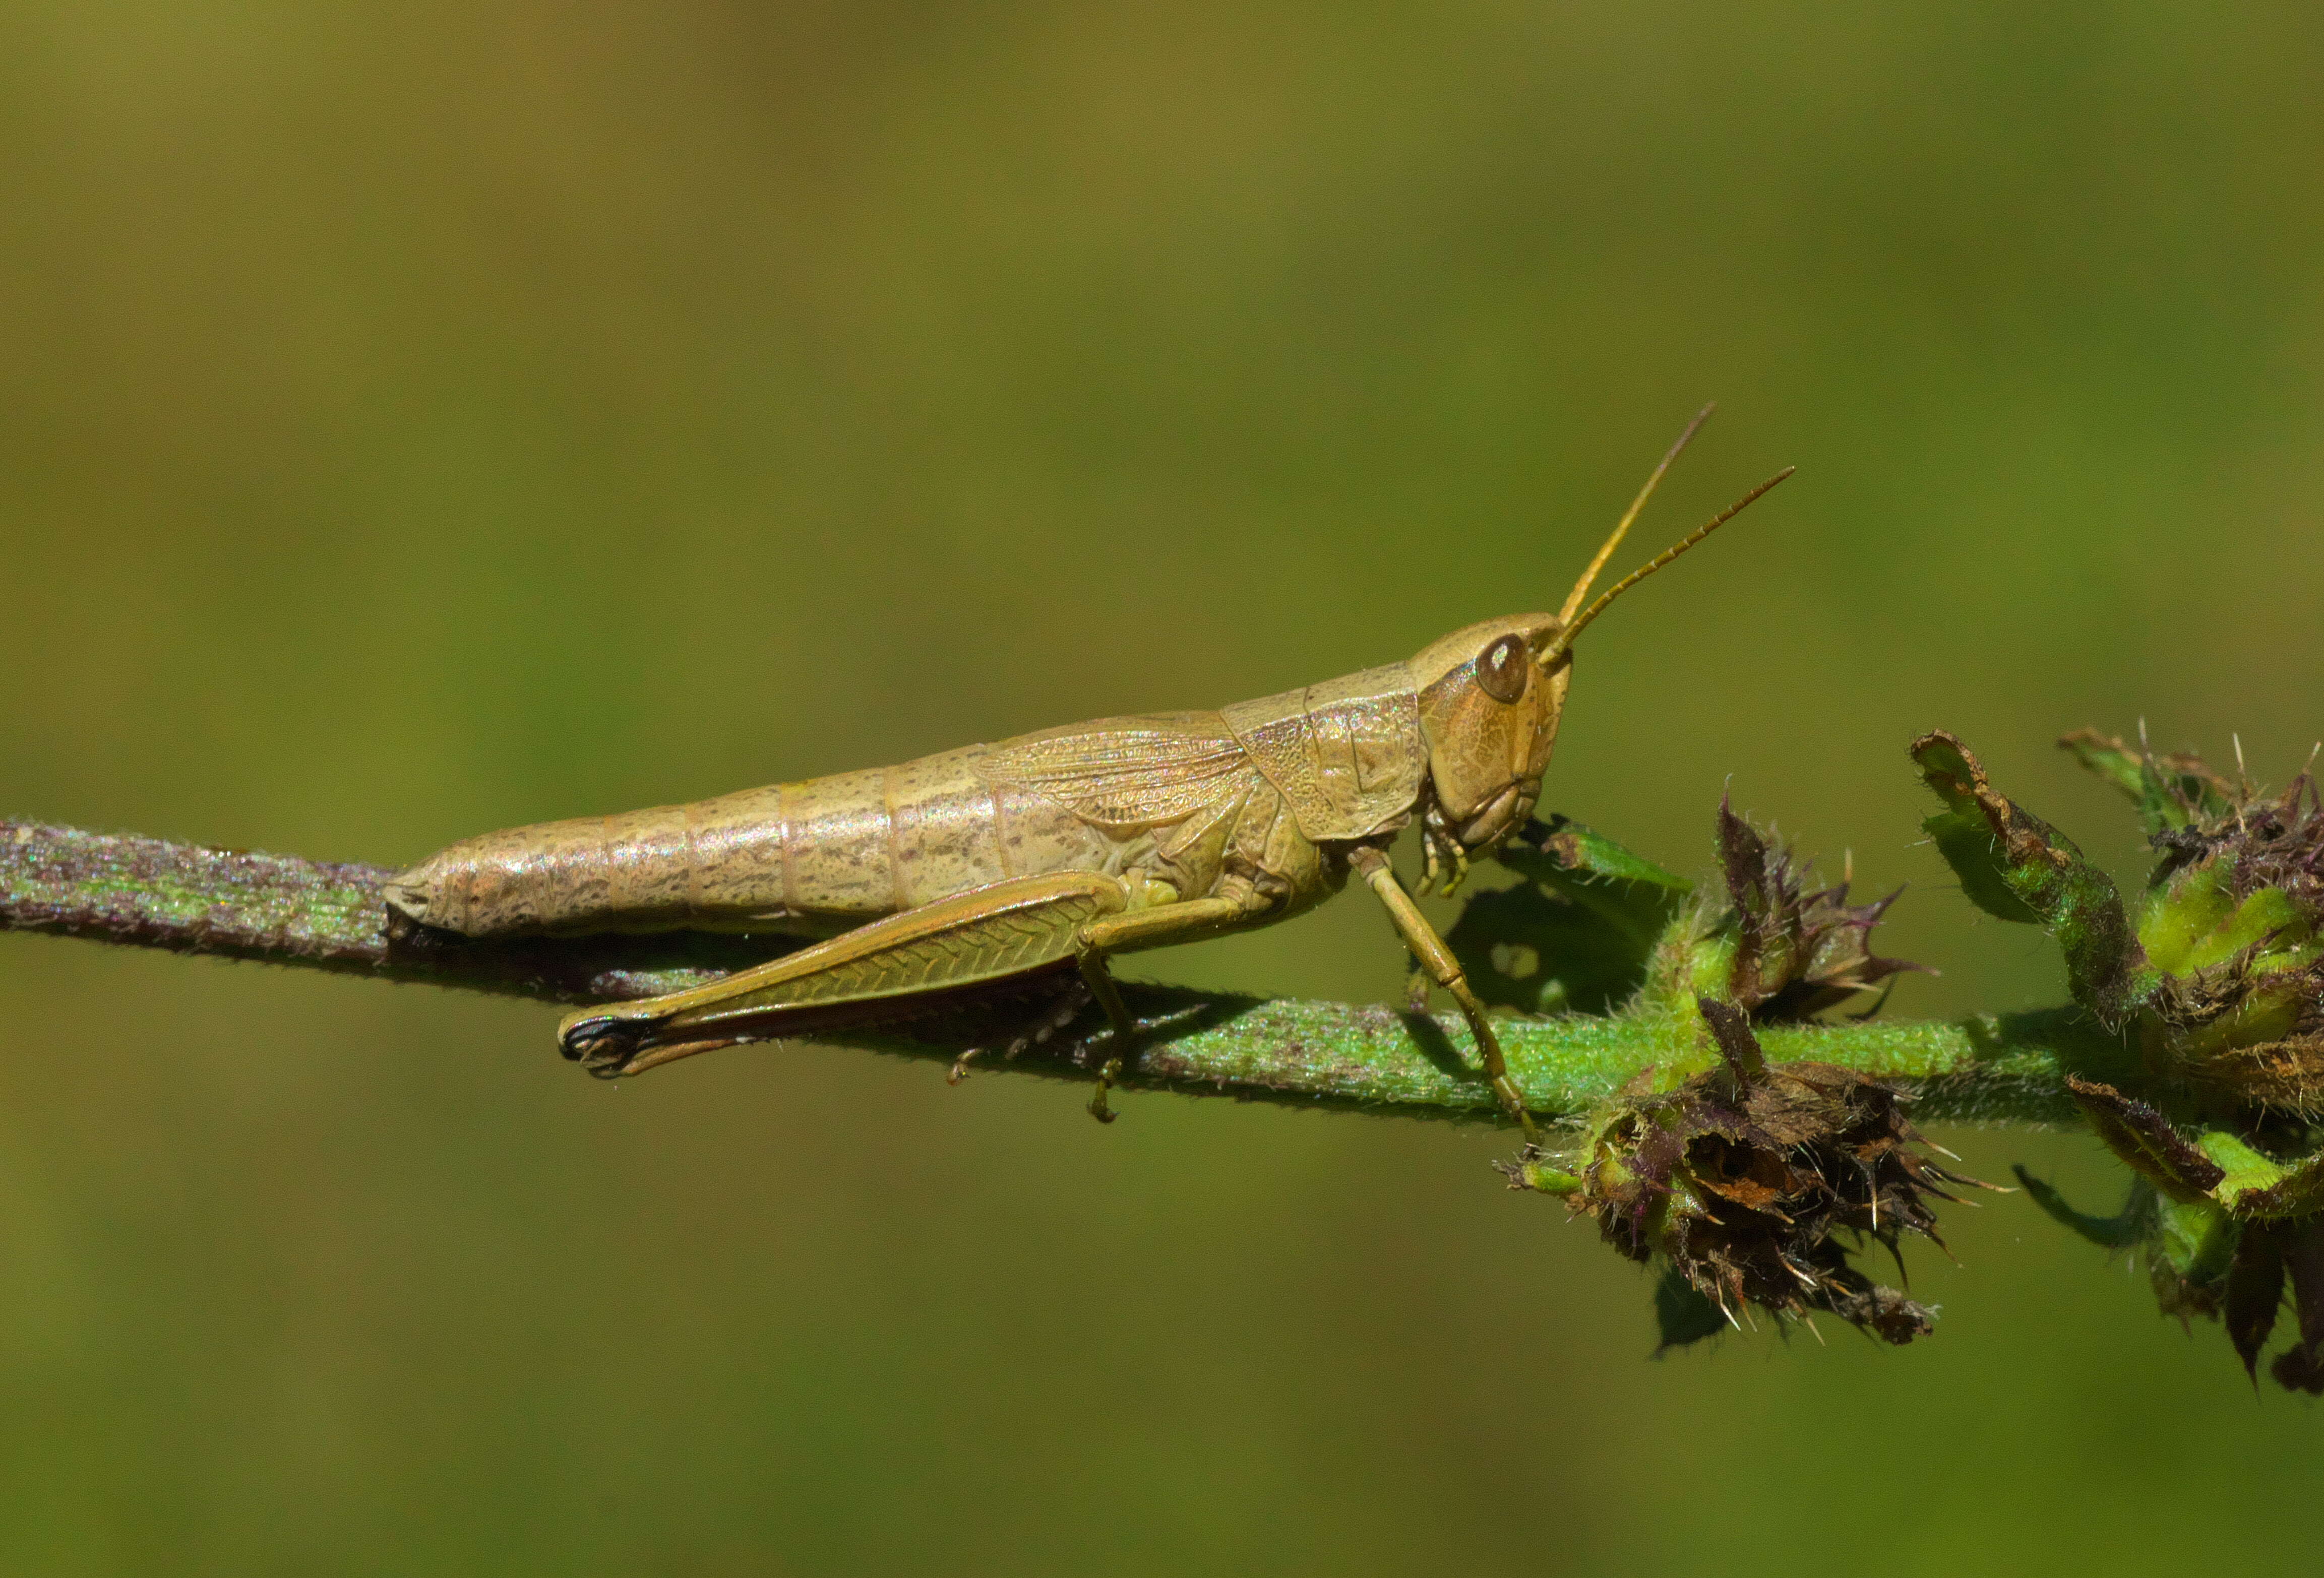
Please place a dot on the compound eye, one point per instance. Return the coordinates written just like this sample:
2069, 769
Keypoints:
1504, 668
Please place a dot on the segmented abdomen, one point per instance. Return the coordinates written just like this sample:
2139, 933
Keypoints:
813, 856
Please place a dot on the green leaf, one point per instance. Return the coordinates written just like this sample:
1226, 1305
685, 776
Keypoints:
2110, 759
2199, 920
2262, 1190
1577, 935
2300, 1192
1576, 859
2241, 1169
2131, 1228
2014, 864
2169, 792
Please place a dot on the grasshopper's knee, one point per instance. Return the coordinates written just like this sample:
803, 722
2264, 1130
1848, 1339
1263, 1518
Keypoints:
606, 1044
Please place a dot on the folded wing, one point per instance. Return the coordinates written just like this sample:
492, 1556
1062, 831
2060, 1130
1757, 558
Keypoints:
1127, 773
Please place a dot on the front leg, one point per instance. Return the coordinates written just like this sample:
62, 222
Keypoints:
1442, 967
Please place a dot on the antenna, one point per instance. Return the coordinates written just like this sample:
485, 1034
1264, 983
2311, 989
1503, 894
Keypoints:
1622, 527
1563, 640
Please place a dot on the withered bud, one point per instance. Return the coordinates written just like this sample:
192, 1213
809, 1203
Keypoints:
1745, 1176
2147, 1141
2301, 1367
2230, 924
1798, 951
2227, 975
2216, 1252
2268, 1255
2270, 840
2196, 817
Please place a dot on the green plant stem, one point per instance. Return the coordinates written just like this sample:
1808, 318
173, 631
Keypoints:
282, 909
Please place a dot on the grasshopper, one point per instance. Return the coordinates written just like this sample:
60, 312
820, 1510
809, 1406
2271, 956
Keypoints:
989, 862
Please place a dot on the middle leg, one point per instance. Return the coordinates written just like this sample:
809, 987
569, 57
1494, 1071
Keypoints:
1159, 927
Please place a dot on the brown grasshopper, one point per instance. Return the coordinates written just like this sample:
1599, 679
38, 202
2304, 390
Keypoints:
1075, 843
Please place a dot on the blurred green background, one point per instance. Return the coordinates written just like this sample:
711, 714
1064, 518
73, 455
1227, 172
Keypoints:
416, 419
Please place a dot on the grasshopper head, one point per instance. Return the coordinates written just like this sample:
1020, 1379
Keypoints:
1491, 694
1489, 706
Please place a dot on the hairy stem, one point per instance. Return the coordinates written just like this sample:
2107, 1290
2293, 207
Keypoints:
153, 893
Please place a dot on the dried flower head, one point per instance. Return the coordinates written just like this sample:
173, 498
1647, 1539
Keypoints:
1746, 1177
2229, 926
